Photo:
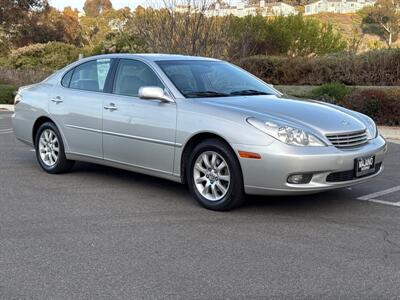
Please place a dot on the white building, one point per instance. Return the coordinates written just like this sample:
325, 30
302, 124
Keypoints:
336, 6
277, 9
242, 9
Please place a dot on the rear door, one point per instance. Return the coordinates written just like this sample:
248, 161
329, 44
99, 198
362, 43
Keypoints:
77, 107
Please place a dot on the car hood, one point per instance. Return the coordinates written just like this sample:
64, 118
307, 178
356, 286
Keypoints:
321, 117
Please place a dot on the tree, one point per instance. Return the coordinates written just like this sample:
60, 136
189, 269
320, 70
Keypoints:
292, 35
246, 36
13, 13
181, 27
72, 28
120, 42
17, 15
93, 8
48, 25
383, 19
300, 36
95, 30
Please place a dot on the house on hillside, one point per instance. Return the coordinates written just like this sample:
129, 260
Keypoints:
336, 6
242, 9
279, 9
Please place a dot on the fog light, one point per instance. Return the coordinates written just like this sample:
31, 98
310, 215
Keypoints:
299, 178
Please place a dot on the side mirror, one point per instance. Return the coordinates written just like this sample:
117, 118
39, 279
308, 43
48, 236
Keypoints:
154, 93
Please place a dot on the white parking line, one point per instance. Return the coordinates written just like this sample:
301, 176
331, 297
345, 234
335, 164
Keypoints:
372, 197
397, 204
380, 193
6, 131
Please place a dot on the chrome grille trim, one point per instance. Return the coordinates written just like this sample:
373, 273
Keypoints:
352, 136
347, 140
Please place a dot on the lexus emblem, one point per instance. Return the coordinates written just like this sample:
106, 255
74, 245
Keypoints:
345, 123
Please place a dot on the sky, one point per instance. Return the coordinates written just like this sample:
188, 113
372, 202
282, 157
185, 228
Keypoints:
60, 4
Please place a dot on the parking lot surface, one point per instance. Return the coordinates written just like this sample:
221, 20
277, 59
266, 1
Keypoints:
104, 233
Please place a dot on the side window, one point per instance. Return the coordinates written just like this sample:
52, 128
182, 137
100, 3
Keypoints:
91, 76
131, 75
67, 78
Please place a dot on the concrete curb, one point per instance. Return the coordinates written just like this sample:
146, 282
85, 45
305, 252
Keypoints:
6, 107
390, 133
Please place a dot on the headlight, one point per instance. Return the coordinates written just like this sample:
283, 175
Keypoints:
18, 98
372, 129
286, 134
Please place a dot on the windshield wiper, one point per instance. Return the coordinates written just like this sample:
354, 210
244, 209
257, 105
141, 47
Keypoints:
205, 94
249, 93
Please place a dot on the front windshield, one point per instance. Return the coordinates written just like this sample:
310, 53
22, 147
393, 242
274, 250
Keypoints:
199, 79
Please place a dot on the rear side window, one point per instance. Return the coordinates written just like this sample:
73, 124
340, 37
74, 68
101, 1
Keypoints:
132, 75
67, 78
91, 76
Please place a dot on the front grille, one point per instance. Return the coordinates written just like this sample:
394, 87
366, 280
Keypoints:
347, 140
349, 175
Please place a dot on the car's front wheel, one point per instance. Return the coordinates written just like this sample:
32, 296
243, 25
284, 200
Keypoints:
214, 176
49, 149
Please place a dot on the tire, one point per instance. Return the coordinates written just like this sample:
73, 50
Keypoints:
48, 141
220, 189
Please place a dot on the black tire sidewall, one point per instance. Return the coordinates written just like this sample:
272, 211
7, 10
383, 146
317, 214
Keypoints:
234, 196
62, 163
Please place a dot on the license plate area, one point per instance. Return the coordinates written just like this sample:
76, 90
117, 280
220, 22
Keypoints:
364, 165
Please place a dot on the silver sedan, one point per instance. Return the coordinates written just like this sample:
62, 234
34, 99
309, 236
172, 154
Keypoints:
198, 121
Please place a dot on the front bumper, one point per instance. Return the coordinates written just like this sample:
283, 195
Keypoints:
268, 175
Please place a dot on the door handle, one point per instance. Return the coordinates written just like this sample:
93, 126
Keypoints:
110, 107
57, 99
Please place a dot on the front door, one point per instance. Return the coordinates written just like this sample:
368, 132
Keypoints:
138, 132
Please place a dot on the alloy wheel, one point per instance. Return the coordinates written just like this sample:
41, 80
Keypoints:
49, 148
211, 175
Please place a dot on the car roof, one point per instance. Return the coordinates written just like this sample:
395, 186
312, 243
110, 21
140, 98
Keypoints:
153, 56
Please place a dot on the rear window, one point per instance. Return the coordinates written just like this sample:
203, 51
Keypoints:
91, 76
67, 78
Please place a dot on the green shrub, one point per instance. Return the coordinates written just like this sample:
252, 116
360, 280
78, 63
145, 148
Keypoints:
380, 103
330, 92
378, 68
383, 105
291, 35
7, 94
50, 56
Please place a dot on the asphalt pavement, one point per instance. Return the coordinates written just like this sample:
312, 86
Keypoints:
104, 233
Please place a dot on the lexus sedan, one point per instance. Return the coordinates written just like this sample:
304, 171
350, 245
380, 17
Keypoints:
198, 121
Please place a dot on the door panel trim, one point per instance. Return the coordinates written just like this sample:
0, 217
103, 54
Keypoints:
140, 138
133, 137
83, 128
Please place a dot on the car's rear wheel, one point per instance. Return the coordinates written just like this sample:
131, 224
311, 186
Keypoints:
214, 176
50, 150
